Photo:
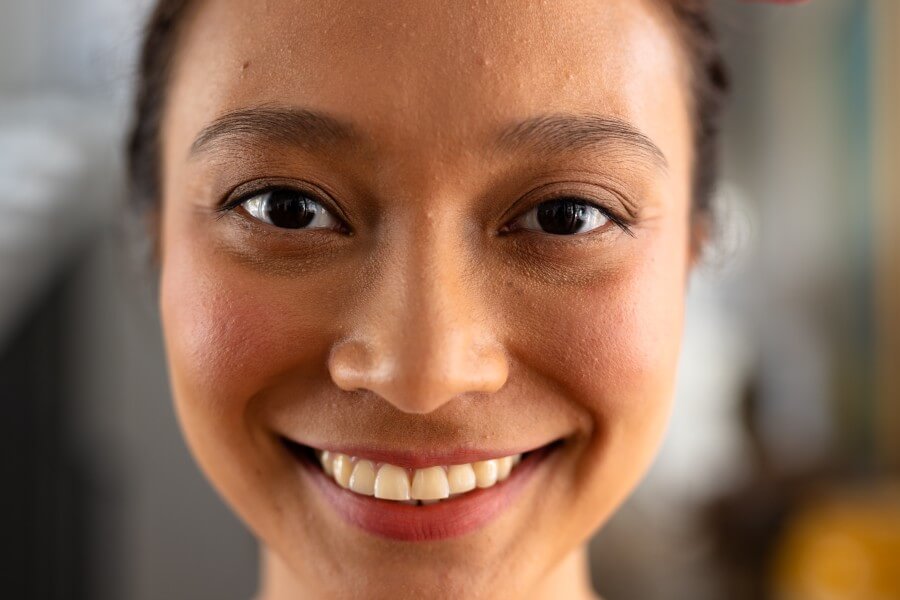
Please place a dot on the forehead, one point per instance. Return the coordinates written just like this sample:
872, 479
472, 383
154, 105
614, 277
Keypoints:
435, 73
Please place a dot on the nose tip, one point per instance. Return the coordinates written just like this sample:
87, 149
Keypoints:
418, 379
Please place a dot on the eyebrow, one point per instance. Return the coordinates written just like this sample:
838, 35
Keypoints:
545, 134
557, 133
294, 126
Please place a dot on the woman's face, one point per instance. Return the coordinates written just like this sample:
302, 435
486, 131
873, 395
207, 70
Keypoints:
424, 234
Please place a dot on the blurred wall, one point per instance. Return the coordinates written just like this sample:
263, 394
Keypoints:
777, 399
105, 499
885, 18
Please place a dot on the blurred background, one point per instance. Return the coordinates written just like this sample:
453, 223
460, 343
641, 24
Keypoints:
779, 475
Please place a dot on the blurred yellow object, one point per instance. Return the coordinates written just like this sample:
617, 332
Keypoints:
844, 546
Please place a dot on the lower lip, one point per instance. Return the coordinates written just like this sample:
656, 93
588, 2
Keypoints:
442, 520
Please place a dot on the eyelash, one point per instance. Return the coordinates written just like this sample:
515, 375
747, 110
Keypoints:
625, 224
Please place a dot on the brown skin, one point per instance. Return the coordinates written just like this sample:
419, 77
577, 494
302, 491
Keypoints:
428, 326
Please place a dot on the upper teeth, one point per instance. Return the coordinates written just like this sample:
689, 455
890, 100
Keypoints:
391, 482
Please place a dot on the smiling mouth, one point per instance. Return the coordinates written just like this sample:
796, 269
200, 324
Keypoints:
414, 486
418, 501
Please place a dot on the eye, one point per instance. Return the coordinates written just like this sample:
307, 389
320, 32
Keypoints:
290, 209
563, 216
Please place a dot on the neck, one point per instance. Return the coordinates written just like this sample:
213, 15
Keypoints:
570, 579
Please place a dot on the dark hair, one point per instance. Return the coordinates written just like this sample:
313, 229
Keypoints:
710, 86
708, 83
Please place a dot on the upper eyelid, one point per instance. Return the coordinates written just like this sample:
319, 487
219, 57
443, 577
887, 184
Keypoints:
537, 196
232, 203
236, 198
532, 199
574, 185
622, 223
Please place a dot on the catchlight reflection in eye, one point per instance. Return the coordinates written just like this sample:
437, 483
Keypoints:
563, 217
289, 209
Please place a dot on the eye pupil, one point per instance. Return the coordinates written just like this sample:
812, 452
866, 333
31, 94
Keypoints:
562, 217
289, 209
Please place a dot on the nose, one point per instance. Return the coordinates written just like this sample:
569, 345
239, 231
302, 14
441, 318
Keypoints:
421, 336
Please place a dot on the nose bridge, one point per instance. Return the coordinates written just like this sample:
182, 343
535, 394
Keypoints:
422, 337
440, 325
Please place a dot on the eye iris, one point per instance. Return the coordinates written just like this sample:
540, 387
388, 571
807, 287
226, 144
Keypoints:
289, 209
562, 217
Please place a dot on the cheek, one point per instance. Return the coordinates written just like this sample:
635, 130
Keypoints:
231, 333
632, 333
611, 348
613, 345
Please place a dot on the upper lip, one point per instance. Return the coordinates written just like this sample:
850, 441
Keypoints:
416, 459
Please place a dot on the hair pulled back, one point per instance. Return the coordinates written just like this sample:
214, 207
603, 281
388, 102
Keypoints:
709, 88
